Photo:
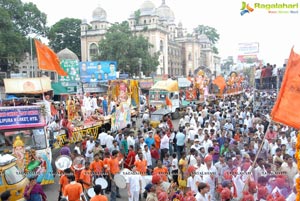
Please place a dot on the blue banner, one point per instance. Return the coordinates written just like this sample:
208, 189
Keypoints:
19, 117
98, 71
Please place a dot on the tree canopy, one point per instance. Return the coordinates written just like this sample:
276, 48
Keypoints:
211, 33
123, 46
17, 21
66, 34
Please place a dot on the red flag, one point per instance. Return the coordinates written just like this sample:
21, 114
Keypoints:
286, 109
168, 101
47, 59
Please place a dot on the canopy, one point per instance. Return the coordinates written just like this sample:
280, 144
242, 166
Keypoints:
27, 85
167, 85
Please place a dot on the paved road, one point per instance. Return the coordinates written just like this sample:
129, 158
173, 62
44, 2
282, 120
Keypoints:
52, 189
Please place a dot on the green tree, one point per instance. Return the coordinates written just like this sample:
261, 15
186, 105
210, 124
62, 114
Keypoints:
66, 34
211, 33
17, 21
121, 45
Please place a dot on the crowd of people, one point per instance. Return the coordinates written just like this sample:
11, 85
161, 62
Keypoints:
269, 76
226, 149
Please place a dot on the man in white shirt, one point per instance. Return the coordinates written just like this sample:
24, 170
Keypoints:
207, 143
130, 139
196, 145
102, 137
86, 106
134, 185
90, 144
164, 145
193, 180
209, 175
147, 156
109, 140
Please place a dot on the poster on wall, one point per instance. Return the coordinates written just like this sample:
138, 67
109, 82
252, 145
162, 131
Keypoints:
98, 71
72, 68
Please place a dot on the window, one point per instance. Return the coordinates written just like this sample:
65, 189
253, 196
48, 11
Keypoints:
190, 57
145, 22
13, 175
93, 49
161, 46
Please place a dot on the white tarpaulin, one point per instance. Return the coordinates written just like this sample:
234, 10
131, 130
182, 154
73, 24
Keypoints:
27, 85
183, 82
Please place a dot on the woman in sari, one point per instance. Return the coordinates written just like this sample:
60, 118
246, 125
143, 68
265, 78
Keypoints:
182, 177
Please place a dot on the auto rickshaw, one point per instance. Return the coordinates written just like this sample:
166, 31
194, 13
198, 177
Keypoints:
11, 178
157, 116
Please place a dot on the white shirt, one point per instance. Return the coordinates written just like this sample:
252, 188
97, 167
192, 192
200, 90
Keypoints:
109, 141
86, 103
206, 144
77, 149
200, 197
102, 137
134, 181
192, 183
174, 165
130, 141
94, 103
192, 160
89, 147
147, 157
164, 143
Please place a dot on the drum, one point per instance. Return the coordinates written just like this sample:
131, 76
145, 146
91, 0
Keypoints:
91, 193
120, 181
126, 172
63, 162
102, 182
79, 163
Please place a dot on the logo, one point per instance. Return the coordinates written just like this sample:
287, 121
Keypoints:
246, 8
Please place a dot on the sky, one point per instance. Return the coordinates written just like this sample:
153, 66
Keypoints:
276, 33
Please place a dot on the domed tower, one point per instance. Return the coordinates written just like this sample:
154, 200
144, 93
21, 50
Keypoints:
67, 54
99, 19
165, 13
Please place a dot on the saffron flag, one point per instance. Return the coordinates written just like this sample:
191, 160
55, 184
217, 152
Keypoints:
221, 83
286, 109
168, 102
47, 59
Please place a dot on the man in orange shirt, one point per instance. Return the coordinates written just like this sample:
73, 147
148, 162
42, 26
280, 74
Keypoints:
98, 196
157, 140
63, 181
86, 176
96, 167
73, 191
114, 168
141, 164
161, 170
106, 170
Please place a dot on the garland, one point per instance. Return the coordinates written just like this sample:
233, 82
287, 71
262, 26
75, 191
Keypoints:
297, 156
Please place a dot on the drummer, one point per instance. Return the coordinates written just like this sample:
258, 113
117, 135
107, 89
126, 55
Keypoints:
86, 177
114, 168
97, 167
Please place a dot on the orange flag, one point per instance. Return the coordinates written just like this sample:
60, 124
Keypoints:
47, 59
286, 109
221, 83
168, 101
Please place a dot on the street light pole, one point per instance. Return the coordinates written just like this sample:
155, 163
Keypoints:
31, 57
140, 68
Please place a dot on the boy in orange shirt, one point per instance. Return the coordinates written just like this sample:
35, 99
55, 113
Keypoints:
161, 170
114, 168
63, 181
96, 167
141, 164
86, 176
98, 196
106, 170
73, 190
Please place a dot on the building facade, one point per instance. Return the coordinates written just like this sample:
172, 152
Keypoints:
181, 53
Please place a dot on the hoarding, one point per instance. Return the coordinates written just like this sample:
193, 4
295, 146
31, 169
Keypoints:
248, 48
72, 68
20, 117
98, 71
27, 85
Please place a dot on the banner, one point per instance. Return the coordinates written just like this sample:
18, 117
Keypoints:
248, 48
27, 85
72, 68
20, 117
98, 71
285, 109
